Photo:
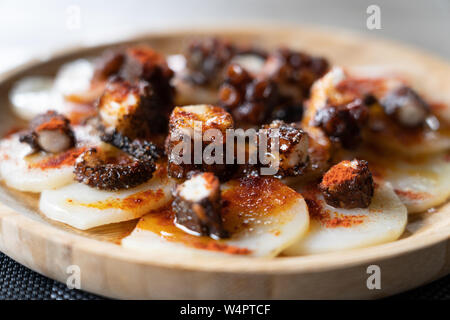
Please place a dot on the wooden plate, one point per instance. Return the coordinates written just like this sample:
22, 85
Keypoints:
47, 247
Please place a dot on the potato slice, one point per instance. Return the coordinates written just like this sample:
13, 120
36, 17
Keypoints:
262, 215
83, 207
24, 171
74, 78
190, 94
69, 93
35, 172
334, 229
411, 143
35, 95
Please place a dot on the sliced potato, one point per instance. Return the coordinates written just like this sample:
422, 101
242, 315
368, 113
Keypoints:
83, 207
334, 229
187, 93
35, 95
412, 144
421, 185
35, 172
73, 82
262, 215
74, 77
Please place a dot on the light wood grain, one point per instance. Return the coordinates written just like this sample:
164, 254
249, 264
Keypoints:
422, 255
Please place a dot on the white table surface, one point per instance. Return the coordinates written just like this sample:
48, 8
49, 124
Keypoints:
30, 28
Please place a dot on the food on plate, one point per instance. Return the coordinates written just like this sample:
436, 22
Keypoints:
228, 149
188, 130
421, 182
292, 150
127, 107
73, 81
49, 132
334, 229
84, 207
32, 96
70, 93
261, 215
406, 107
31, 168
384, 110
255, 84
294, 72
276, 92
348, 185
201, 69
111, 169
249, 99
197, 205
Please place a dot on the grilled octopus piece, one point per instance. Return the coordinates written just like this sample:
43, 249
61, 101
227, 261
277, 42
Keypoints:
207, 60
343, 123
197, 205
276, 92
249, 99
137, 64
293, 147
349, 184
140, 149
104, 171
406, 107
132, 110
182, 139
49, 132
287, 151
294, 72
134, 63
143, 63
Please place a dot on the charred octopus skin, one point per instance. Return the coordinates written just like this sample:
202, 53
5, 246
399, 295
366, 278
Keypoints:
50, 132
144, 63
343, 123
132, 109
197, 205
249, 99
294, 73
406, 107
135, 65
140, 149
102, 170
349, 184
277, 92
183, 124
206, 60
293, 147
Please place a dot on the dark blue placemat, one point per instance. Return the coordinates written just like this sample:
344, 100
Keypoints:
19, 282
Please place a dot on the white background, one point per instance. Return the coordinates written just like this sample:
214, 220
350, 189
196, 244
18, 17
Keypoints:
30, 28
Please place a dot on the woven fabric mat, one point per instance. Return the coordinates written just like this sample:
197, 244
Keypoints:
19, 282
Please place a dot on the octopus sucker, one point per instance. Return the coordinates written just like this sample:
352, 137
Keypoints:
94, 169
